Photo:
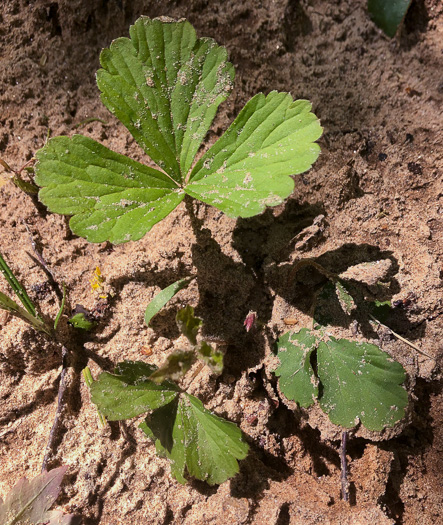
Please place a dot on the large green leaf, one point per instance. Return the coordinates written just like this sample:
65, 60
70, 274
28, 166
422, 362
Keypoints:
360, 382
388, 14
165, 85
196, 440
110, 196
297, 379
129, 393
250, 166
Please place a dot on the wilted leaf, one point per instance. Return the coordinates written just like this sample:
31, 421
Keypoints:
129, 392
176, 366
360, 382
297, 379
188, 324
210, 356
388, 14
29, 501
196, 441
163, 297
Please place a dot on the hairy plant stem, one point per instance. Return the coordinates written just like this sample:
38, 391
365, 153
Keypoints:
56, 423
344, 468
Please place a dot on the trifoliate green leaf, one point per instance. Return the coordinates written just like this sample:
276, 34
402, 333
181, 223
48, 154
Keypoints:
196, 441
164, 297
388, 14
250, 166
188, 324
110, 196
297, 379
129, 392
360, 382
210, 356
165, 85
29, 501
176, 366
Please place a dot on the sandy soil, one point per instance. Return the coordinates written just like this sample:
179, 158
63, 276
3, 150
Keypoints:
378, 184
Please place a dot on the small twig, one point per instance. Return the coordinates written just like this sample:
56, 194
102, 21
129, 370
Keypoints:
55, 425
344, 468
44, 265
400, 337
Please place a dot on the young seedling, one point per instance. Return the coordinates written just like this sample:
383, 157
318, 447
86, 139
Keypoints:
165, 85
29, 501
195, 441
354, 382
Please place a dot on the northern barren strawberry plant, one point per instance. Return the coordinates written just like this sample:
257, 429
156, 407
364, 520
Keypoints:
165, 85
195, 441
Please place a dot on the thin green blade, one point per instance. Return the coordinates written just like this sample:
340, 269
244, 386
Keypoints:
19, 290
297, 379
129, 393
360, 382
163, 297
388, 14
196, 440
250, 166
165, 85
110, 196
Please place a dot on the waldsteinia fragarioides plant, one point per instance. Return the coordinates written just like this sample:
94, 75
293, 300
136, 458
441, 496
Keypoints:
165, 85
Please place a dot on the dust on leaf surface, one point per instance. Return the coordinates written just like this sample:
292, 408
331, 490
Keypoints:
196, 441
129, 392
360, 383
249, 167
297, 379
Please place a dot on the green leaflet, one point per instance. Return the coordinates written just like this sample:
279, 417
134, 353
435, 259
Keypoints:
297, 379
165, 86
163, 297
129, 393
357, 381
388, 14
250, 166
194, 439
360, 382
110, 196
